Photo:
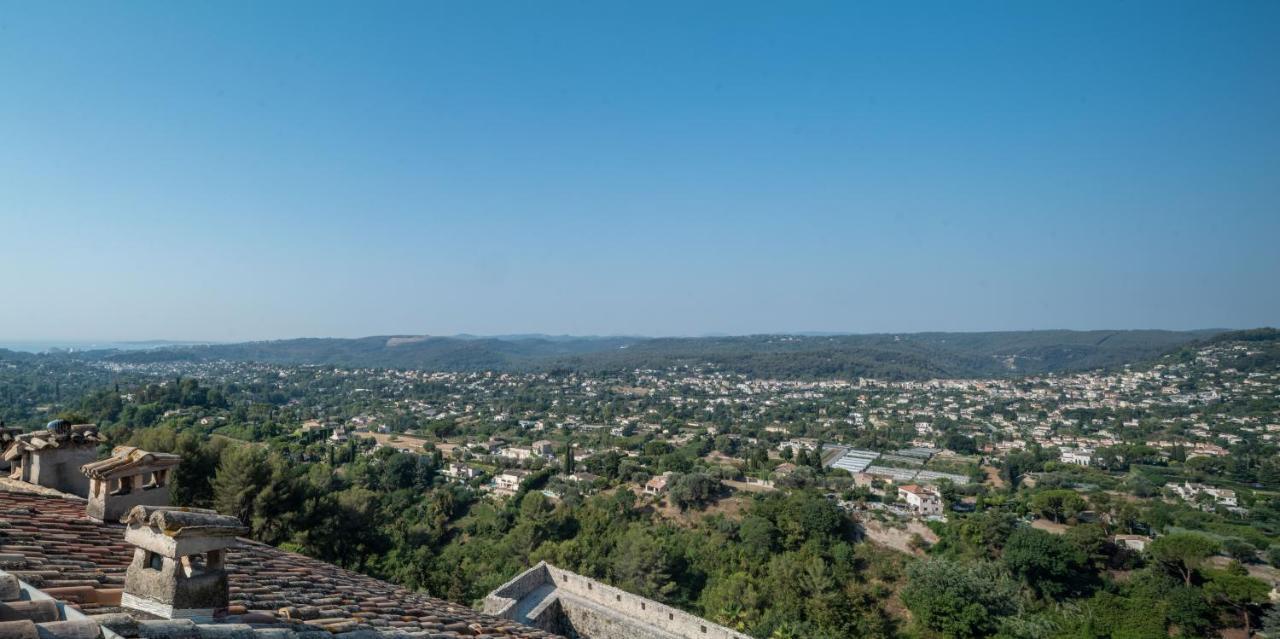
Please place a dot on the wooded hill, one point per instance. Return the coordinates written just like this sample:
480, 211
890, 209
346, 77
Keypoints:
886, 356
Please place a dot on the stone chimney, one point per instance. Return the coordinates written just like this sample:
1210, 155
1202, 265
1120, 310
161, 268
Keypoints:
129, 477
52, 457
179, 565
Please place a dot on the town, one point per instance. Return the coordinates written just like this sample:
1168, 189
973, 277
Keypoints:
1182, 445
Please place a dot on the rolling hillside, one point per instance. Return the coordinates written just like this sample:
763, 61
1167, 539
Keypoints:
905, 356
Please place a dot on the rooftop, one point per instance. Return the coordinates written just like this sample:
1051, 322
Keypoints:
128, 460
50, 544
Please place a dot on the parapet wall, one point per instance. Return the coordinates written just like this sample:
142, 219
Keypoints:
503, 600
600, 611
585, 619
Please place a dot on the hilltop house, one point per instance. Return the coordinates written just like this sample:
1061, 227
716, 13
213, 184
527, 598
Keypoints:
921, 500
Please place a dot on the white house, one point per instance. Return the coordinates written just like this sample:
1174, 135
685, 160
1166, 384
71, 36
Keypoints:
1189, 491
508, 481
923, 501
517, 453
1079, 456
461, 472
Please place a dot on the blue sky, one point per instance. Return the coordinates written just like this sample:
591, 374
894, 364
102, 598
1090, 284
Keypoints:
230, 171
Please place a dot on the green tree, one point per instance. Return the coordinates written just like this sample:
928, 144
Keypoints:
568, 459
758, 536
732, 600
1271, 622
1240, 550
692, 490
1182, 552
277, 504
1046, 563
642, 566
242, 474
1240, 592
1091, 541
959, 599
807, 515
1057, 505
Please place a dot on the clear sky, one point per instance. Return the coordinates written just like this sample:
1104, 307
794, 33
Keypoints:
230, 171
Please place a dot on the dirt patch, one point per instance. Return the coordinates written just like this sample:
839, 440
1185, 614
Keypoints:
416, 444
993, 476
730, 507
717, 457
1050, 527
898, 539
1269, 574
744, 486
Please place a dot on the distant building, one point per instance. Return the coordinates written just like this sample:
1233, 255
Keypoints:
1132, 542
798, 444
1078, 457
657, 485
460, 472
516, 453
508, 482
1189, 492
921, 500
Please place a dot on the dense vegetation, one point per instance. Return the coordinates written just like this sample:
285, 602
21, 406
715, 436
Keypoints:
789, 565
908, 356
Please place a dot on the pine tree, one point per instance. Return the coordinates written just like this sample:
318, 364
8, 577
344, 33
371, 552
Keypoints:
568, 459
242, 474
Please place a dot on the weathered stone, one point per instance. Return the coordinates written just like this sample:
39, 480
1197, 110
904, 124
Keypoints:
118, 622
38, 611
74, 629
565, 603
225, 631
167, 577
140, 478
25, 629
168, 629
9, 587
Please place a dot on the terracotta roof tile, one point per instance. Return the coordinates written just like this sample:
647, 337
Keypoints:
50, 543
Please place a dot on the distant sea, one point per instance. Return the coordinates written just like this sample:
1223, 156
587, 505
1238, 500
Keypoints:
48, 346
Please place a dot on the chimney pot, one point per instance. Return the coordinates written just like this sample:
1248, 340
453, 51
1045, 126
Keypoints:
129, 477
179, 563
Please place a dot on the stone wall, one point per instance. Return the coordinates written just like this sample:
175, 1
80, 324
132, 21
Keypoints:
644, 610
111, 508
501, 601
59, 469
586, 608
583, 619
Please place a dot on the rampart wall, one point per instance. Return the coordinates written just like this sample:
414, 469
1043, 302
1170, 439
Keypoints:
598, 611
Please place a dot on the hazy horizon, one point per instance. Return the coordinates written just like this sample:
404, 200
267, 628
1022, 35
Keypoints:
42, 345
235, 172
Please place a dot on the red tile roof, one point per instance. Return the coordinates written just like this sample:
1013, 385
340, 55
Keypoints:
50, 543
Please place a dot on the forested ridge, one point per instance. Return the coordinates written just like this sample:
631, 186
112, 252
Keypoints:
886, 356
